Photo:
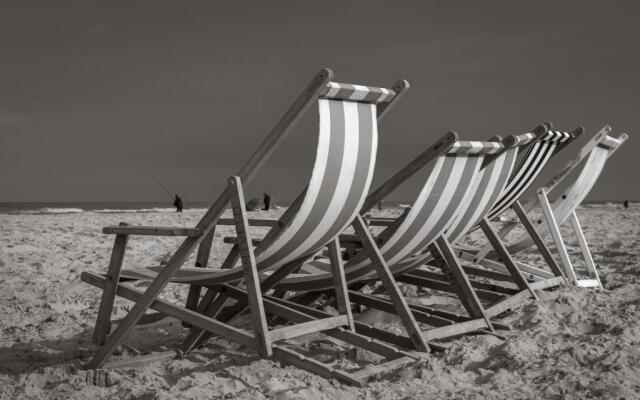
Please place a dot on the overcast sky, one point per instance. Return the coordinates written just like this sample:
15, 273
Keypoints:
94, 95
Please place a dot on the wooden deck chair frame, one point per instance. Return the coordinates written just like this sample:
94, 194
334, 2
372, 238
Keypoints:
582, 183
448, 324
443, 256
262, 340
535, 157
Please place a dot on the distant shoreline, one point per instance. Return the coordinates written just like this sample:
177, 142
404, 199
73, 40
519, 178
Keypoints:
142, 207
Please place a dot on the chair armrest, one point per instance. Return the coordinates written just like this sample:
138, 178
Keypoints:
151, 230
252, 222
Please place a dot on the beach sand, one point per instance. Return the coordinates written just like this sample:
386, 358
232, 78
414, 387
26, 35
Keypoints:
573, 343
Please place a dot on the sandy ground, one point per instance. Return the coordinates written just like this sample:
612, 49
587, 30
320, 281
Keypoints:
574, 343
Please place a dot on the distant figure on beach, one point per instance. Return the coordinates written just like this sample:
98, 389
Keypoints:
177, 202
267, 202
626, 204
380, 205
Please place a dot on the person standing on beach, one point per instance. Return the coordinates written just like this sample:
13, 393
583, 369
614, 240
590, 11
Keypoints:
177, 202
267, 202
626, 204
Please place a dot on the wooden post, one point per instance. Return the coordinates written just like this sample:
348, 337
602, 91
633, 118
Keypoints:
208, 221
103, 323
507, 260
557, 237
339, 282
584, 247
442, 250
537, 239
399, 302
251, 279
202, 260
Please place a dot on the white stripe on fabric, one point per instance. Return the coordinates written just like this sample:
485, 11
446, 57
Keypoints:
436, 214
487, 192
360, 93
335, 88
343, 188
317, 176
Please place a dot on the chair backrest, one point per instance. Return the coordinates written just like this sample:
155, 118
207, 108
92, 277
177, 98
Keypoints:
449, 189
578, 188
339, 183
341, 176
541, 144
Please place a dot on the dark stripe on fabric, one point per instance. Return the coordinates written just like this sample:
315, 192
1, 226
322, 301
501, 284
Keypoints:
533, 152
460, 188
527, 179
485, 176
327, 187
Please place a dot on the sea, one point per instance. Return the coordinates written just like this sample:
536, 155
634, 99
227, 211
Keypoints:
160, 207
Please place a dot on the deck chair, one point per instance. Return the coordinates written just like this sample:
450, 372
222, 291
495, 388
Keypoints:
457, 193
579, 182
339, 183
537, 148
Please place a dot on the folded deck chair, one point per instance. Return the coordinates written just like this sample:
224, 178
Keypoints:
537, 148
576, 185
337, 189
578, 182
457, 193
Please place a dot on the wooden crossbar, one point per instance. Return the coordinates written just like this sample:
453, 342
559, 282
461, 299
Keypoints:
151, 230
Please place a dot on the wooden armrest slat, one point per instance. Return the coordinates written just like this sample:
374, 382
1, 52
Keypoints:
252, 222
151, 230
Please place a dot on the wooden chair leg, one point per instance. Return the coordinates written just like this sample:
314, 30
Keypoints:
537, 239
252, 281
399, 302
507, 260
340, 282
202, 260
557, 237
103, 323
446, 259
584, 247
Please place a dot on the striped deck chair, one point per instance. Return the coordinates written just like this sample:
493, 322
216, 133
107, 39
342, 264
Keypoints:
466, 180
592, 157
339, 182
541, 147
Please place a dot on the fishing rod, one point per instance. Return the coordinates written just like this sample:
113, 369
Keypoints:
161, 185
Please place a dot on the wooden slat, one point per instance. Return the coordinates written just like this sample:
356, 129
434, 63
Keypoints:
557, 236
251, 279
339, 282
508, 303
390, 285
457, 329
181, 313
304, 328
537, 239
202, 261
476, 284
103, 322
252, 222
584, 247
506, 258
151, 230
548, 283
445, 286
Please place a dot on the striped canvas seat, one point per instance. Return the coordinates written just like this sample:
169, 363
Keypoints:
340, 180
571, 198
538, 154
449, 195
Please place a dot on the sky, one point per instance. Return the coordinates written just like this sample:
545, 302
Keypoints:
97, 95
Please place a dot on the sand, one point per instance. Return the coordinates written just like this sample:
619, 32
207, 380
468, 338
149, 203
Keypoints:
573, 343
